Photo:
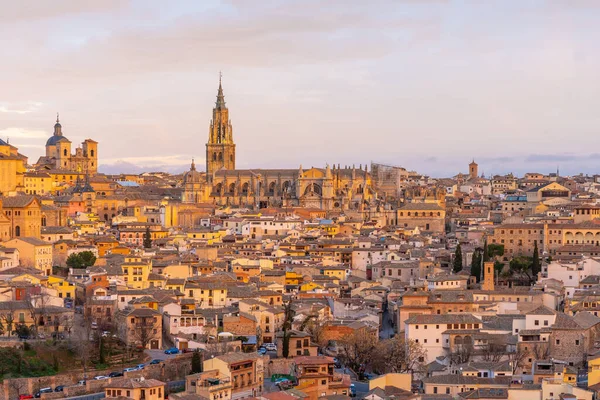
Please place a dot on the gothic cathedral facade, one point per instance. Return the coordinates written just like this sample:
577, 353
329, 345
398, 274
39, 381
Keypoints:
328, 188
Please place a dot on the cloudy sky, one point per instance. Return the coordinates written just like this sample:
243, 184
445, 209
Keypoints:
425, 84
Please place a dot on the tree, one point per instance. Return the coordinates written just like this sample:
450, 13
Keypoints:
541, 351
81, 260
521, 265
458, 260
476, 265
398, 356
462, 353
495, 250
357, 350
517, 358
535, 263
196, 362
486, 252
288, 319
147, 238
494, 350
146, 329
80, 344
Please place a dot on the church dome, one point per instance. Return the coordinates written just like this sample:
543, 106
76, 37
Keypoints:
192, 176
55, 139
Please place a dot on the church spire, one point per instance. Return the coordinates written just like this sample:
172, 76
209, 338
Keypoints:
193, 167
57, 127
220, 97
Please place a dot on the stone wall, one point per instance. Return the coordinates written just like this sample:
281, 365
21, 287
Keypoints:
170, 370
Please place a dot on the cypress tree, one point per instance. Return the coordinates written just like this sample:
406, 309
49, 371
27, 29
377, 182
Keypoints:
535, 264
486, 253
476, 265
147, 238
458, 260
196, 362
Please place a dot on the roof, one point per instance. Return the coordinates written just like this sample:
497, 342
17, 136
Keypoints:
132, 383
443, 319
542, 310
421, 206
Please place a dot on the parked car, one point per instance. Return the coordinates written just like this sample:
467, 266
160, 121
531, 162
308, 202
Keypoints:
262, 351
140, 366
284, 384
25, 396
130, 369
59, 388
352, 390
270, 346
42, 391
155, 361
115, 374
100, 377
81, 382
172, 350
189, 350
94, 325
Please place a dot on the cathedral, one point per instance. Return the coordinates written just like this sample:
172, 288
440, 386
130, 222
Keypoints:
329, 188
59, 157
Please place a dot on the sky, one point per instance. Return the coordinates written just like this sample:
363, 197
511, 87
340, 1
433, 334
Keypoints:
424, 84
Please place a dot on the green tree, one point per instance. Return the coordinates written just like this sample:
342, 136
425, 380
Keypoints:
521, 265
81, 260
458, 260
88, 258
74, 261
476, 264
196, 362
535, 262
495, 250
486, 254
147, 238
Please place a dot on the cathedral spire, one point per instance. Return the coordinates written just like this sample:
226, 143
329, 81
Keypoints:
193, 167
220, 97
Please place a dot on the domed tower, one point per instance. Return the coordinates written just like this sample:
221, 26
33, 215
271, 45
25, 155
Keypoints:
192, 185
59, 147
220, 149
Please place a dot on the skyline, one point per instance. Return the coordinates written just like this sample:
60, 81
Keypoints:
425, 85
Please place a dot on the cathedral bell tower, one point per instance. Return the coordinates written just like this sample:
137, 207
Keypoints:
220, 149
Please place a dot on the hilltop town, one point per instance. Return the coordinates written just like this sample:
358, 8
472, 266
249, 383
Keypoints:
365, 280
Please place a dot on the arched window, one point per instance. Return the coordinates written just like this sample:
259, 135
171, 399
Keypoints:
17, 230
43, 220
360, 189
220, 156
458, 340
272, 188
218, 188
245, 188
232, 188
231, 157
286, 186
314, 188
214, 156
65, 152
92, 153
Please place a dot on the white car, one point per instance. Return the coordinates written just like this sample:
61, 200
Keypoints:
100, 377
270, 346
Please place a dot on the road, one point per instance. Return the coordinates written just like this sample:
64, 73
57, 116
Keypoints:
159, 355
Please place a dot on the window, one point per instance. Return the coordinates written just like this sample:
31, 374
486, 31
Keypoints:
537, 322
577, 342
557, 341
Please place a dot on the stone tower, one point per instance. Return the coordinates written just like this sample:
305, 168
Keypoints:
488, 276
473, 167
220, 149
